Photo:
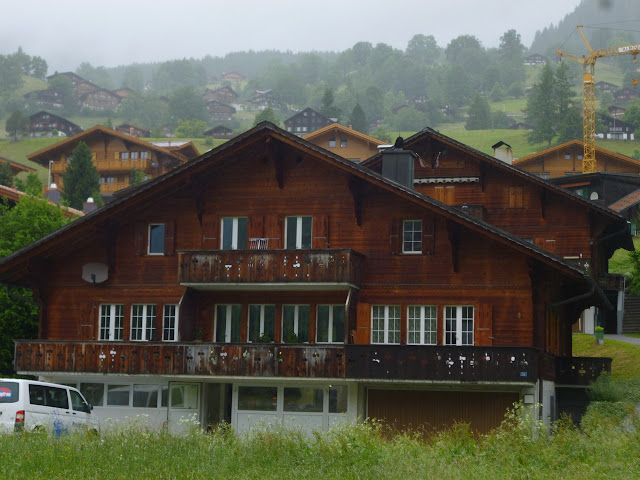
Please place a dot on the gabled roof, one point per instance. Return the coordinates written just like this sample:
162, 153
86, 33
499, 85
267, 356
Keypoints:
307, 110
336, 127
16, 167
96, 131
15, 195
15, 266
625, 202
575, 144
53, 115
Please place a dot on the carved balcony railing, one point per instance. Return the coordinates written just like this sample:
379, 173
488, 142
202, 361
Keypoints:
121, 166
574, 370
442, 363
382, 362
276, 267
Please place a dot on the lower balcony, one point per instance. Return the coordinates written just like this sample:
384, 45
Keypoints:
579, 371
363, 362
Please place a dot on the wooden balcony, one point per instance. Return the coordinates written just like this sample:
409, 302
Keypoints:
442, 363
112, 187
574, 370
272, 269
121, 166
368, 362
58, 167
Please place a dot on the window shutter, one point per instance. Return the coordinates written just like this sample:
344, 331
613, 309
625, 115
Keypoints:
550, 245
516, 197
169, 238
438, 194
140, 237
363, 323
450, 195
428, 235
395, 236
483, 334
210, 232
116, 155
320, 231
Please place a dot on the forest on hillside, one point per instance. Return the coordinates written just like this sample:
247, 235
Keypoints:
426, 84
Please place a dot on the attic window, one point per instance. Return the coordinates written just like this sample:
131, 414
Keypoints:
343, 142
332, 142
567, 156
156, 239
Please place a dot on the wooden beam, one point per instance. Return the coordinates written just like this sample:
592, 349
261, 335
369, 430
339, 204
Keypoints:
355, 187
453, 231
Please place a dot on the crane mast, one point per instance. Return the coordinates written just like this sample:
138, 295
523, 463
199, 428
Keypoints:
588, 63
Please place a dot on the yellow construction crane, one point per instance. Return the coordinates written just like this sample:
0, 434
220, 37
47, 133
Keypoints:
588, 94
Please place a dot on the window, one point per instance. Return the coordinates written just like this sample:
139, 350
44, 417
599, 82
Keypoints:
93, 392
298, 233
234, 233
170, 323
118, 395
297, 399
261, 323
143, 322
422, 324
385, 326
78, 403
343, 142
135, 155
330, 324
567, 156
257, 398
144, 154
124, 155
156, 239
48, 396
458, 325
412, 236
332, 143
145, 396
228, 323
111, 317
545, 175
295, 323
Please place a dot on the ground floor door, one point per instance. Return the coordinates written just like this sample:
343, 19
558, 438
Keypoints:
436, 410
184, 406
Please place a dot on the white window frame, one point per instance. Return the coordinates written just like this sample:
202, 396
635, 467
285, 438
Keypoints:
453, 325
234, 232
296, 320
389, 329
111, 326
410, 245
422, 325
146, 329
299, 231
151, 226
170, 323
228, 317
330, 323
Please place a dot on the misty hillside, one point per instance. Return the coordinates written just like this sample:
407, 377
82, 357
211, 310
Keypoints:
606, 23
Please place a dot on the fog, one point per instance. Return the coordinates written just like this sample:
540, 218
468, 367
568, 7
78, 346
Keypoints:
117, 32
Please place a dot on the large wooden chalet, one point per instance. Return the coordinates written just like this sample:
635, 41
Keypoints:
272, 281
566, 159
306, 121
345, 141
521, 203
46, 124
115, 155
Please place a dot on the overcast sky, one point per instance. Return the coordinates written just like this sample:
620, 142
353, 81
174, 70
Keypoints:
120, 32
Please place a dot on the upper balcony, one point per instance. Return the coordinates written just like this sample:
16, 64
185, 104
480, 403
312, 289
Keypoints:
271, 269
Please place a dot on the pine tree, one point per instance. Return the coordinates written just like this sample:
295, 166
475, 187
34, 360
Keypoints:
81, 180
479, 114
358, 120
541, 108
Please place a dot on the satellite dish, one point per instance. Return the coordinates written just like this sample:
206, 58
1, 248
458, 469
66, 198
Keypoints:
594, 196
95, 272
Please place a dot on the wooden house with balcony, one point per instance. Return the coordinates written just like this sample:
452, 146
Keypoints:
345, 141
47, 124
17, 168
270, 281
114, 154
523, 204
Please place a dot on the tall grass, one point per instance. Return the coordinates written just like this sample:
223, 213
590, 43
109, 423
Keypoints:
520, 449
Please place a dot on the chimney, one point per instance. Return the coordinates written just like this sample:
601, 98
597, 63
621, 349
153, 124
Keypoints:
131, 131
53, 194
89, 206
503, 151
397, 164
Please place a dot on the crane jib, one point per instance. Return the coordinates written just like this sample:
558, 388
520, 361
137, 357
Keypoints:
629, 48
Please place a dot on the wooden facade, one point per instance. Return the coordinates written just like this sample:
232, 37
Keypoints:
306, 121
290, 262
114, 154
45, 123
346, 142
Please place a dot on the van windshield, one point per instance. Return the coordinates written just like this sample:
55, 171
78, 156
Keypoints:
9, 392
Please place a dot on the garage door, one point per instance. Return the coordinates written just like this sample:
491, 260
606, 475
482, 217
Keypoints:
433, 410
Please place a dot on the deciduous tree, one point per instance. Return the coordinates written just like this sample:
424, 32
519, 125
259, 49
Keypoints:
16, 125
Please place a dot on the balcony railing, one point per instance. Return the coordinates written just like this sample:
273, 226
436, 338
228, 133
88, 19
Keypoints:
276, 267
112, 187
574, 370
374, 362
121, 166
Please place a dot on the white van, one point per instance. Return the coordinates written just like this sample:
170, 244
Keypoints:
32, 405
